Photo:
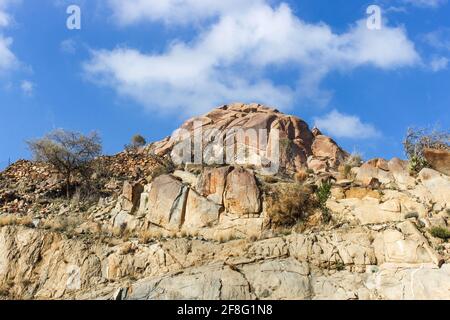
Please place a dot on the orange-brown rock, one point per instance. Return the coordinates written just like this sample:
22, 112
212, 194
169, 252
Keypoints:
360, 193
325, 147
295, 137
212, 183
379, 163
438, 159
242, 195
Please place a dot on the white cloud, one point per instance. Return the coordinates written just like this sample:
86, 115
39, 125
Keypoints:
426, 3
27, 87
439, 63
68, 46
7, 58
346, 126
231, 58
438, 39
5, 19
176, 11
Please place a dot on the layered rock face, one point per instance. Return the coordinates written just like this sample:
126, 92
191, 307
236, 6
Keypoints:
229, 231
257, 133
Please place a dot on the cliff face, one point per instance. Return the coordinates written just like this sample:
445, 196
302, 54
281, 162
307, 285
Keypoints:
228, 230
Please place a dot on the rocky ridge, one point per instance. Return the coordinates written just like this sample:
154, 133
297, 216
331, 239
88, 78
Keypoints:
228, 231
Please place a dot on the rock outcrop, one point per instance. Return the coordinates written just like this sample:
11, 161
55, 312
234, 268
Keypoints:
163, 230
438, 159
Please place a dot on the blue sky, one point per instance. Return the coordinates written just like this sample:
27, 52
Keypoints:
145, 66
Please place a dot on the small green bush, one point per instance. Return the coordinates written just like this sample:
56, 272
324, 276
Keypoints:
137, 141
323, 193
440, 232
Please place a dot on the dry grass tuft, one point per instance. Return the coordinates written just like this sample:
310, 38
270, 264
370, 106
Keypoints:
287, 203
300, 176
226, 236
13, 220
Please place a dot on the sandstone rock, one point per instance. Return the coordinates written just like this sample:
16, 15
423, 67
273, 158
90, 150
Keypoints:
211, 183
393, 246
281, 279
438, 185
166, 202
438, 159
392, 205
233, 225
242, 195
367, 172
131, 196
123, 219
215, 282
369, 211
398, 282
219, 126
341, 286
200, 212
186, 177
360, 193
317, 165
325, 147
400, 171
379, 163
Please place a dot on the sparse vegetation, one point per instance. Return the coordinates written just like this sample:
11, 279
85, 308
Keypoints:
226, 236
440, 232
68, 152
62, 224
354, 160
340, 266
417, 139
323, 193
345, 171
12, 220
300, 176
287, 203
137, 141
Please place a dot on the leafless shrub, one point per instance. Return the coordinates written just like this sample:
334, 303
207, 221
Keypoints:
69, 152
418, 139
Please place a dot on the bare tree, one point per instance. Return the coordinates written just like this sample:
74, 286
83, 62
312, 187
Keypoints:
69, 152
418, 139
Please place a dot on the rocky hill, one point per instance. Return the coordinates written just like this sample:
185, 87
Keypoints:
161, 223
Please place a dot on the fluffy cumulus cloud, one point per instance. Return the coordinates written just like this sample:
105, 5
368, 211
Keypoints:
7, 57
346, 126
426, 3
233, 56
